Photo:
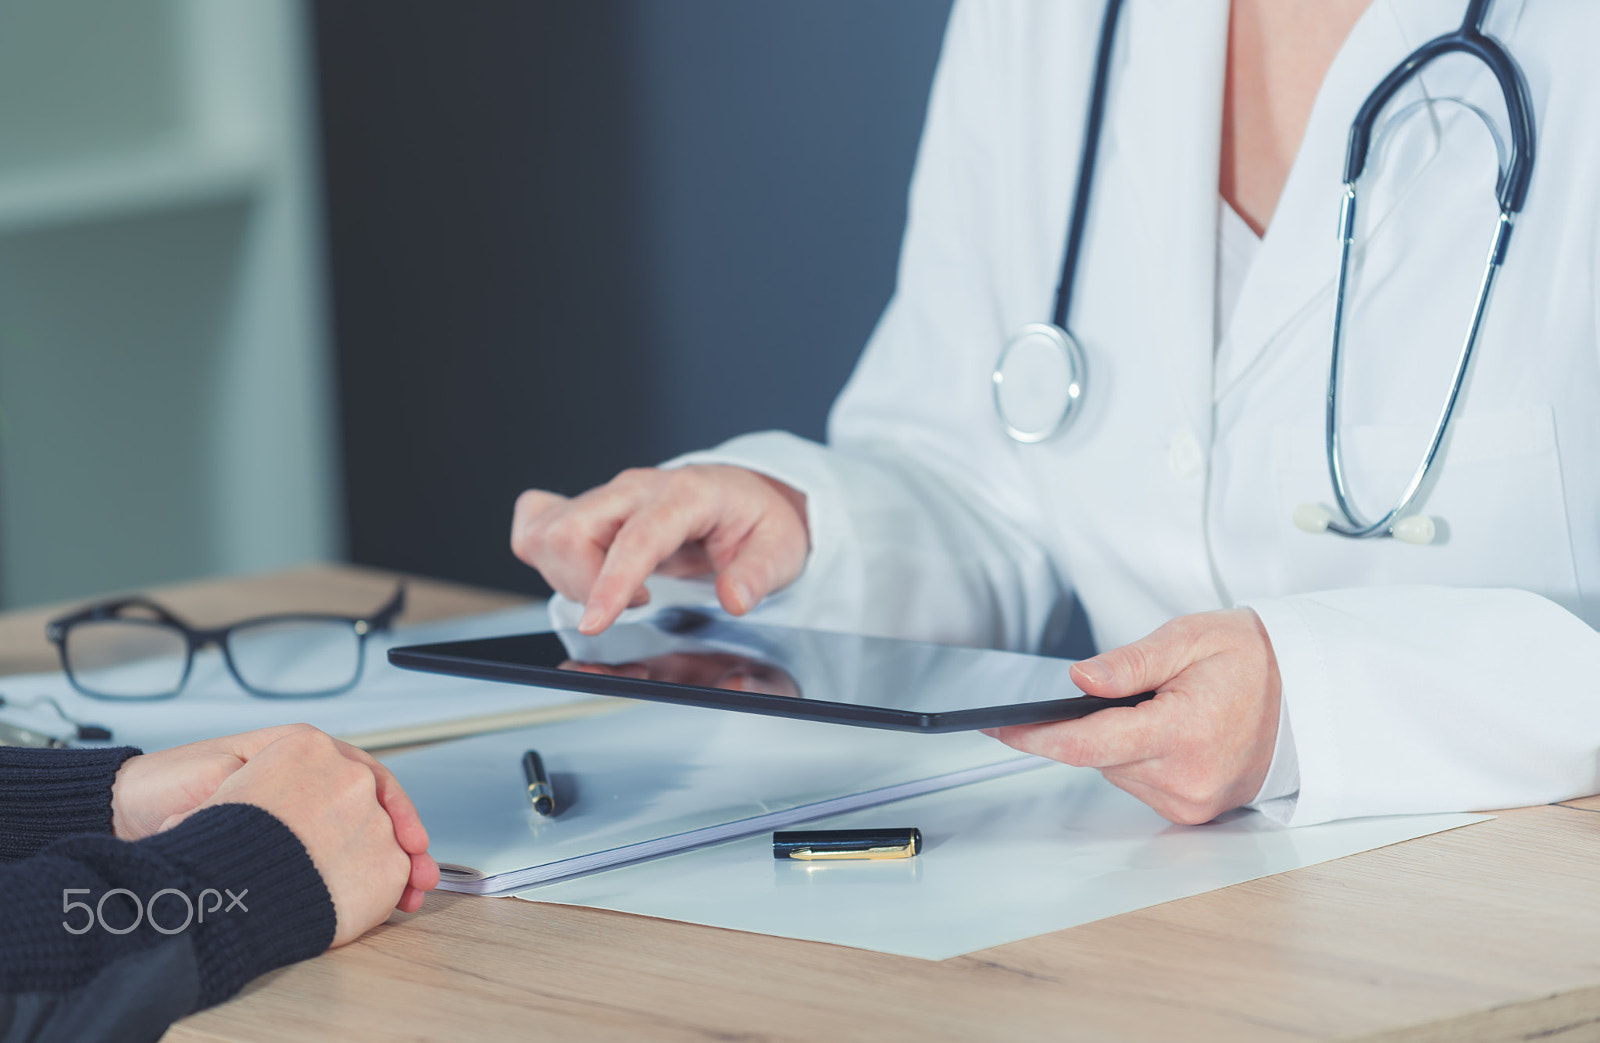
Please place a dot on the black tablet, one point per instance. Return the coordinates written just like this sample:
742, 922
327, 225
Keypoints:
706, 658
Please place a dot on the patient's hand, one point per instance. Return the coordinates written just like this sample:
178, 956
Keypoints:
359, 837
599, 548
1204, 744
153, 787
155, 791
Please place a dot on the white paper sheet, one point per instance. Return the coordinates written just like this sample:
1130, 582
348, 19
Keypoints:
213, 704
1002, 860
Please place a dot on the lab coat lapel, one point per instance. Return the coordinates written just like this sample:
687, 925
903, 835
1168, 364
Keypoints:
1169, 148
1292, 278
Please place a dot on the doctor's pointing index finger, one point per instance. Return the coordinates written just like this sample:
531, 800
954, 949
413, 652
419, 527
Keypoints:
598, 549
1303, 336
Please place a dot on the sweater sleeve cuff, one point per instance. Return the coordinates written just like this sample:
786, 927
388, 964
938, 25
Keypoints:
49, 794
270, 905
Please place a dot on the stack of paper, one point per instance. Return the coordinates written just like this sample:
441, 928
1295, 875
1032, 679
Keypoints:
653, 779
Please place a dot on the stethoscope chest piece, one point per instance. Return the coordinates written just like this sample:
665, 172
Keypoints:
1039, 382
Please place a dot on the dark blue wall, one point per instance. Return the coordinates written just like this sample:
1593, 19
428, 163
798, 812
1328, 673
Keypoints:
776, 145
570, 236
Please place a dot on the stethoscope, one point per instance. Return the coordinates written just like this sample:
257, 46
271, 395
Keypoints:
1041, 374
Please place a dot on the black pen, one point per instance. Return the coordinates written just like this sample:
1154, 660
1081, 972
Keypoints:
540, 795
805, 845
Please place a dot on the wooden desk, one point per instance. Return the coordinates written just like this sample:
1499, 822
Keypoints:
1484, 933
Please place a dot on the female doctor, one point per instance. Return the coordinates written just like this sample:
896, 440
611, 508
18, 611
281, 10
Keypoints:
1448, 660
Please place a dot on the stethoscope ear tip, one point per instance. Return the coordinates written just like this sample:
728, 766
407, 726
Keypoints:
1313, 518
1418, 529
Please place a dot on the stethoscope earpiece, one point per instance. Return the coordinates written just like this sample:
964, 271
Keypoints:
1417, 529
1313, 518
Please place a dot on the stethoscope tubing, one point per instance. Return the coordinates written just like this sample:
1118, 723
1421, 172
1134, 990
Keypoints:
1511, 191
1511, 187
1353, 526
1065, 348
1092, 123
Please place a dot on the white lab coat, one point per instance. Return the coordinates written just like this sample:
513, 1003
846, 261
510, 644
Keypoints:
1465, 674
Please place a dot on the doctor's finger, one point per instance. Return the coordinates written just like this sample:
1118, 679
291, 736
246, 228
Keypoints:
1145, 664
567, 541
690, 559
645, 540
531, 511
537, 522
768, 558
1108, 738
532, 503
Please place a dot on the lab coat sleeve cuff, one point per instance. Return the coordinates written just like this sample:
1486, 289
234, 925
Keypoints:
1419, 699
1306, 697
1280, 791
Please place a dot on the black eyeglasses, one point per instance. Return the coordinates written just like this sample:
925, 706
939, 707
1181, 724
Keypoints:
133, 648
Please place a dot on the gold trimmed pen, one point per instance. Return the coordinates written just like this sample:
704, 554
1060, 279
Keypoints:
826, 845
540, 793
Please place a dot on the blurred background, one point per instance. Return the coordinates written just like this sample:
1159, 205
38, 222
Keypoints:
288, 281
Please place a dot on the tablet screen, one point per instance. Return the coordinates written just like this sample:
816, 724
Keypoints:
783, 670
692, 647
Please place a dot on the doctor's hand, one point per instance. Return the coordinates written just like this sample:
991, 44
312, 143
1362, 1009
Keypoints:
597, 549
1203, 745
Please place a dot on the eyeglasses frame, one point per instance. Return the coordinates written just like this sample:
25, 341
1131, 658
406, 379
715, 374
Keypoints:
198, 638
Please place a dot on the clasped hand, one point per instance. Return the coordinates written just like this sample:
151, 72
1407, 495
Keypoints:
359, 827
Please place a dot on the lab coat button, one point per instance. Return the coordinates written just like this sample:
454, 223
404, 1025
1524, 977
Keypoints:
1184, 457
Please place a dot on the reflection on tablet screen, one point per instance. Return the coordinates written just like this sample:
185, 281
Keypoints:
710, 650
731, 673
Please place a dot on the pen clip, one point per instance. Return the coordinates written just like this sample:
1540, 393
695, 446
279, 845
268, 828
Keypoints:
806, 854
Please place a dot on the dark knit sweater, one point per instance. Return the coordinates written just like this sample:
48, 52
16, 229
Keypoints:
55, 835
